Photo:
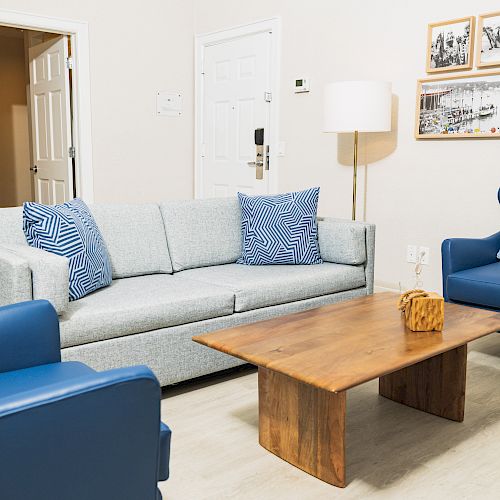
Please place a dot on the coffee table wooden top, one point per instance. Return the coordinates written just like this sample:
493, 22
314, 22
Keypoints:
340, 346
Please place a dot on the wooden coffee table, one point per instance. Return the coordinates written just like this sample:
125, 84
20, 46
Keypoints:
307, 362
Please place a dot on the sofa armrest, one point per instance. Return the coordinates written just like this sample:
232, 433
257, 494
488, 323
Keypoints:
95, 436
15, 278
348, 242
29, 335
49, 274
459, 254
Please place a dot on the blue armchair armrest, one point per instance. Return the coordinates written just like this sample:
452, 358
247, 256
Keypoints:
459, 254
29, 335
95, 436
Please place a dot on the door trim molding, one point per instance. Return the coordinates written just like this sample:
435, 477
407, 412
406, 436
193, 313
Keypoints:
206, 39
78, 31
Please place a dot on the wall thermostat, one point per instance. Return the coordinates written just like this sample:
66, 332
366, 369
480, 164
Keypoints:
301, 85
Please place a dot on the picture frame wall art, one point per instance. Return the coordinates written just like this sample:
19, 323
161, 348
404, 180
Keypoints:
488, 40
450, 45
458, 106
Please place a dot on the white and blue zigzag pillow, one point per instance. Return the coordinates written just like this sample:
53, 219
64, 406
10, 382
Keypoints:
280, 229
69, 230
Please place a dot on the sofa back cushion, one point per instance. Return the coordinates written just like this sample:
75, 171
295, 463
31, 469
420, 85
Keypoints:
342, 242
202, 232
11, 226
135, 238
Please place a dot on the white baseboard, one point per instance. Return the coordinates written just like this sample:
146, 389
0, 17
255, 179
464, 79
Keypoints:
384, 286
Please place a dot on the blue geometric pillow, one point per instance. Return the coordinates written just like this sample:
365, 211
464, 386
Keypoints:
280, 229
70, 230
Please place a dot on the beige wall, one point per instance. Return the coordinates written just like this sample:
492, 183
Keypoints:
15, 181
136, 49
417, 192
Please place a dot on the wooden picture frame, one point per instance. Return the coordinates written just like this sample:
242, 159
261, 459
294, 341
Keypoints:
458, 106
488, 39
446, 48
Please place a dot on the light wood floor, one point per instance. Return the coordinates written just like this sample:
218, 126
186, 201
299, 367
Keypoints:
393, 452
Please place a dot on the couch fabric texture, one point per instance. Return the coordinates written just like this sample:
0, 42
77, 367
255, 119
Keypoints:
179, 279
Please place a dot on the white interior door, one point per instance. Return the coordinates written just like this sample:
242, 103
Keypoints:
51, 121
235, 82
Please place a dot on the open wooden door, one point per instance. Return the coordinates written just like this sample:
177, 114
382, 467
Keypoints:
51, 121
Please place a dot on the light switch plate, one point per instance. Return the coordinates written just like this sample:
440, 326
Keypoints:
424, 252
411, 254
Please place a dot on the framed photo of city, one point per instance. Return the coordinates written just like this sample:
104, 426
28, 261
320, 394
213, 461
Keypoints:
488, 40
458, 106
450, 45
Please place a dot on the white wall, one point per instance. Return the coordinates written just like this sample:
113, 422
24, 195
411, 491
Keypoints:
136, 48
420, 192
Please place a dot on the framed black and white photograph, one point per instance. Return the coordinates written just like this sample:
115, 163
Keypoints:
458, 106
488, 40
450, 45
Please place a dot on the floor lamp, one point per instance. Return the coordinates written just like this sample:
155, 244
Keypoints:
361, 106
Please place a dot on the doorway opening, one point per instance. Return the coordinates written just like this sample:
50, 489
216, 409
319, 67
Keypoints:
36, 117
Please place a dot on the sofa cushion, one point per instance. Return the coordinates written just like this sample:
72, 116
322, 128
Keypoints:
135, 238
140, 304
280, 229
202, 232
11, 226
342, 242
262, 286
479, 285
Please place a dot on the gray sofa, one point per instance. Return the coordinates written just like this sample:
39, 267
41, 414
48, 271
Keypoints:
174, 276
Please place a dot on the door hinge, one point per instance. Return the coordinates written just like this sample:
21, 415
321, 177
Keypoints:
203, 150
71, 151
69, 62
268, 96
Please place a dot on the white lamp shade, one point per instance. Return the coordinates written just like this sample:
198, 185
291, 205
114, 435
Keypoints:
364, 106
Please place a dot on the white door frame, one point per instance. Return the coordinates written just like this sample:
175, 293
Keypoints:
78, 31
204, 40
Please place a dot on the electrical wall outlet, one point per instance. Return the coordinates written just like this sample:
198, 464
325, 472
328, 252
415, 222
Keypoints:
423, 253
411, 254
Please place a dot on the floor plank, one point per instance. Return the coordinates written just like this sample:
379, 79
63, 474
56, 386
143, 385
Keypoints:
393, 451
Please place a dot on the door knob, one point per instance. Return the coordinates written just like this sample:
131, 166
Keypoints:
34, 169
255, 163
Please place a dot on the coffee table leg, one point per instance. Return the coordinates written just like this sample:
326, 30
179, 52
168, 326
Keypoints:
436, 385
303, 425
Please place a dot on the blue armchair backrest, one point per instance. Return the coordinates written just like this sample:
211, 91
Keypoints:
29, 335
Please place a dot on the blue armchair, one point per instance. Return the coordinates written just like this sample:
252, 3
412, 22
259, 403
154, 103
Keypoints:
471, 270
67, 431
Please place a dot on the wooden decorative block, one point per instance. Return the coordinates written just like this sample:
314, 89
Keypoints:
424, 314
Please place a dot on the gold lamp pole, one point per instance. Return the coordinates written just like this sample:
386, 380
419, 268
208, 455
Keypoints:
355, 176
357, 106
